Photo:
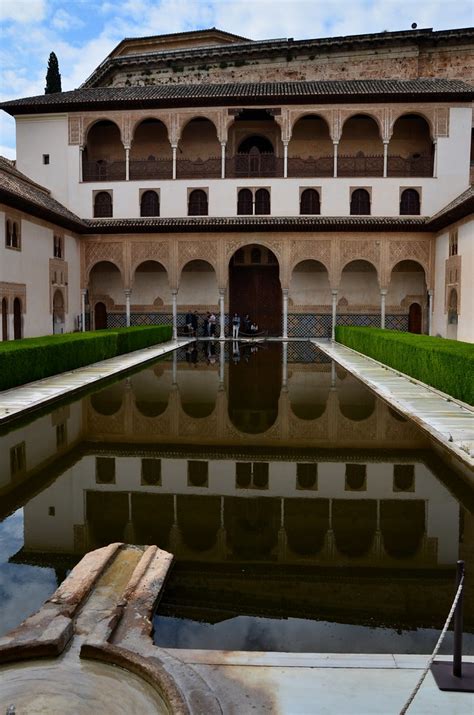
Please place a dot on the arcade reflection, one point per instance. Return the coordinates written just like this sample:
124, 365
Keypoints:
283, 487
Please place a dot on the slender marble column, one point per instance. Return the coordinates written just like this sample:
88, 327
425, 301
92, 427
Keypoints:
385, 158
11, 326
221, 315
81, 155
334, 314
285, 313
175, 368
435, 159
222, 160
174, 148
127, 163
221, 364
336, 144
383, 294
174, 298
285, 159
284, 376
83, 309
127, 307
430, 312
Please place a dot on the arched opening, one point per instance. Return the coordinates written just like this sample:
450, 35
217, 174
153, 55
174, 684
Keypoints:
108, 401
199, 521
411, 149
308, 393
408, 289
254, 389
358, 289
152, 516
107, 517
306, 525
105, 291
354, 523
245, 203
17, 319
410, 203
199, 151
356, 402
252, 527
255, 289
253, 146
198, 287
309, 202
402, 523
150, 289
310, 151
102, 205
4, 319
151, 391
103, 158
310, 299
58, 312
262, 202
360, 150
149, 204
360, 203
197, 203
150, 153
452, 331
198, 392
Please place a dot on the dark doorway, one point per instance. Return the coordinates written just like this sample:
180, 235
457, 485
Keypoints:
254, 287
17, 319
100, 316
414, 318
4, 319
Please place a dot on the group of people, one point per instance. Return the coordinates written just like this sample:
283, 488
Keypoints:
192, 325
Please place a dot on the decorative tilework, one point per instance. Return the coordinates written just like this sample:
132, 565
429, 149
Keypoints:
309, 325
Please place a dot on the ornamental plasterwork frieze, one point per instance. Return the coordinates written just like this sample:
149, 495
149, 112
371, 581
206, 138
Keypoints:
104, 251
10, 291
232, 246
301, 250
409, 250
197, 251
360, 250
149, 251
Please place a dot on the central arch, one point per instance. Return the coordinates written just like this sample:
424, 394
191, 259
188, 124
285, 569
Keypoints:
255, 288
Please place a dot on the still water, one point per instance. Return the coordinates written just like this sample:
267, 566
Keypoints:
303, 513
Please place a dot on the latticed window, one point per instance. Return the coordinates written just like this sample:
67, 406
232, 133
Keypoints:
409, 203
262, 202
103, 205
150, 204
8, 233
57, 246
245, 203
453, 243
197, 203
309, 202
360, 203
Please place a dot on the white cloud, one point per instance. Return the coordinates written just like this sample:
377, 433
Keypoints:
23, 11
63, 20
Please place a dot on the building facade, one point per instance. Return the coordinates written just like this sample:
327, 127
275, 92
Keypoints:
206, 172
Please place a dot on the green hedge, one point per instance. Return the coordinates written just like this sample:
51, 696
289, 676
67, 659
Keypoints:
31, 359
447, 365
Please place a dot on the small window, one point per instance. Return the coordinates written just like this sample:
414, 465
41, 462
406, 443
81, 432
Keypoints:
103, 205
150, 204
18, 459
197, 473
360, 203
151, 472
45, 158
403, 477
410, 203
197, 203
105, 470
61, 435
12, 234
262, 202
453, 243
309, 202
244, 203
243, 475
58, 247
356, 477
306, 475
8, 233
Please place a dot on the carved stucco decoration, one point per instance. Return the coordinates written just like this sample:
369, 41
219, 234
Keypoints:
197, 251
10, 291
149, 251
216, 116
410, 251
96, 252
359, 250
233, 245
304, 250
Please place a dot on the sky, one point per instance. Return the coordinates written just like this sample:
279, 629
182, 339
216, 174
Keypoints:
83, 32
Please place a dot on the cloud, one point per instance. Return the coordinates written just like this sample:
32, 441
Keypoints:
23, 11
63, 20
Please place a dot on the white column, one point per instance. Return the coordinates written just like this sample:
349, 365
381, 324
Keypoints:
127, 307
174, 298
83, 309
221, 315
11, 326
127, 163
221, 364
430, 311
222, 160
336, 144
333, 373
285, 159
285, 313
334, 314
175, 367
383, 294
174, 148
81, 156
284, 376
385, 158
435, 159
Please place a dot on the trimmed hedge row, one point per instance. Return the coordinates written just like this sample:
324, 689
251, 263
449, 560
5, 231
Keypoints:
447, 365
31, 359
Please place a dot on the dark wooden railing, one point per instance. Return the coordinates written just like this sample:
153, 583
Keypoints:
248, 166
421, 166
360, 165
199, 168
151, 169
323, 166
103, 170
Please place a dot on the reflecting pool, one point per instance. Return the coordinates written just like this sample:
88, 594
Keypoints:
304, 514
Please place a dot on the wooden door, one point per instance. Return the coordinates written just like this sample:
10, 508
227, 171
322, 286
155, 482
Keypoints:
414, 318
256, 290
16, 319
100, 316
4, 320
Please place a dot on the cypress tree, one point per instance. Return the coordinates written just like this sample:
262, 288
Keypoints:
53, 78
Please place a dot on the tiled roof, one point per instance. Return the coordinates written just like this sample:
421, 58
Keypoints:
244, 92
254, 223
458, 208
18, 191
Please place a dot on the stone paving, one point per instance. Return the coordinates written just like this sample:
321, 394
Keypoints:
448, 421
28, 397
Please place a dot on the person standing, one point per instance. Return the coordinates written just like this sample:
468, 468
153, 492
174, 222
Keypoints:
212, 325
235, 325
195, 323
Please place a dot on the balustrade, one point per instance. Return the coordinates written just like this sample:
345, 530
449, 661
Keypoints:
398, 166
103, 170
322, 166
360, 165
